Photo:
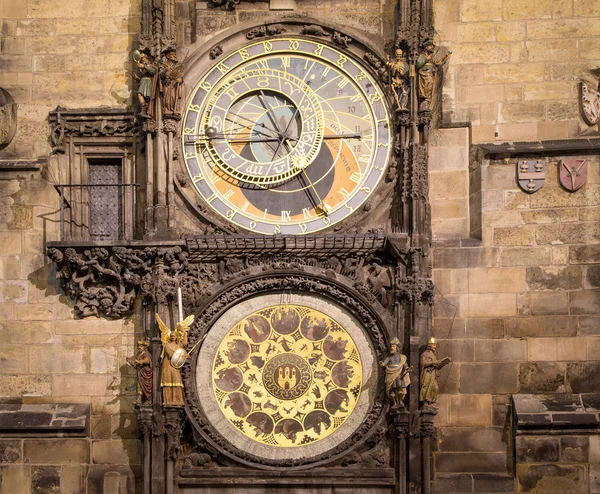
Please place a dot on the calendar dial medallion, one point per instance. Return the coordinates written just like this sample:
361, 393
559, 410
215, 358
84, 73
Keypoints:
286, 136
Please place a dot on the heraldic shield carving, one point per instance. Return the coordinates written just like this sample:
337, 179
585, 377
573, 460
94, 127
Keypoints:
589, 103
531, 175
573, 173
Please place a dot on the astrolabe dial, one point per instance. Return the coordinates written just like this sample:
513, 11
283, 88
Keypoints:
287, 376
286, 135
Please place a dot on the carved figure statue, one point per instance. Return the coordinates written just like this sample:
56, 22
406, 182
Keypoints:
170, 377
142, 362
397, 376
171, 83
399, 71
147, 72
427, 68
430, 374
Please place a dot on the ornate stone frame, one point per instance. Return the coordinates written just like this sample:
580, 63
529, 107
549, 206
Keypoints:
247, 287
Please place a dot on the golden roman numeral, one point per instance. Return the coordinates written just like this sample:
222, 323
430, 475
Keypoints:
355, 177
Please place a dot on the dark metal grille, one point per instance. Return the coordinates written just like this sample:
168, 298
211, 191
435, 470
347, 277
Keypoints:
105, 202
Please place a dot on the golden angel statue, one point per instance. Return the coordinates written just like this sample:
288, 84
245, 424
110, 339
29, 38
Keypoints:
174, 343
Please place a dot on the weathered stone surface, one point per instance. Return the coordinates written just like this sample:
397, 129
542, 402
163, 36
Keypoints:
485, 328
45, 480
10, 451
584, 254
592, 277
490, 482
501, 280
452, 483
513, 236
55, 359
594, 477
464, 257
548, 303
457, 350
470, 462
15, 479
530, 111
568, 234
541, 377
470, 410
110, 478
537, 449
589, 326
488, 378
542, 326
556, 197
550, 216
554, 278
583, 377
551, 478
492, 305
118, 451
552, 349
532, 256
500, 350
25, 385
574, 449
585, 302
56, 451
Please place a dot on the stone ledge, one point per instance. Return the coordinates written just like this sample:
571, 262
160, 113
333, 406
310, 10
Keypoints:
556, 414
44, 420
514, 148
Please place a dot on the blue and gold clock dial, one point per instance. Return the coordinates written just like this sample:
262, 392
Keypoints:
286, 136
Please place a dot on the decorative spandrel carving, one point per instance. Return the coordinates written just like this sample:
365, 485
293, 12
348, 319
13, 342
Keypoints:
105, 281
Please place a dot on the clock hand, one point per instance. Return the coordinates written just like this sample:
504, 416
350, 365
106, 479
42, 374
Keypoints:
305, 178
343, 136
265, 104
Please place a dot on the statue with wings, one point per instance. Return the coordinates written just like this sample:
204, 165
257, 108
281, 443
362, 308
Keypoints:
170, 376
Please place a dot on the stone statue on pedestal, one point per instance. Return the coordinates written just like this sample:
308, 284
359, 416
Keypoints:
397, 376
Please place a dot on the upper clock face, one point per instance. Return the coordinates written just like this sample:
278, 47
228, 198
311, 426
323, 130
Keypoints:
286, 136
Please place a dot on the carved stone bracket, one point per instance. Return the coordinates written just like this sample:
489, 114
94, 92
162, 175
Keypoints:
88, 123
144, 420
174, 418
106, 280
415, 289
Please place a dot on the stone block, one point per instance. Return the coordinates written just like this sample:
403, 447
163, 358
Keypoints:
13, 359
547, 91
464, 257
58, 359
21, 218
556, 197
26, 332
583, 377
457, 350
508, 73
56, 451
15, 479
531, 449
451, 184
81, 385
585, 302
589, 325
513, 236
498, 177
511, 31
450, 379
539, 326
102, 479
469, 439
480, 53
488, 378
541, 377
13, 291
594, 451
501, 280
490, 482
500, 350
34, 312
554, 278
93, 326
470, 462
584, 254
485, 328
72, 479
470, 410
450, 229
480, 94
549, 216
553, 130
10, 243
492, 305
589, 214
588, 49
118, 451
476, 32
574, 449
594, 477
515, 199
452, 483
103, 360
548, 303
551, 479
522, 112
10, 451
48, 9
45, 480
494, 219
25, 385
472, 10
533, 256
448, 327
492, 200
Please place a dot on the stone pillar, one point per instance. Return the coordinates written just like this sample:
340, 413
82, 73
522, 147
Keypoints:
144, 420
173, 428
400, 419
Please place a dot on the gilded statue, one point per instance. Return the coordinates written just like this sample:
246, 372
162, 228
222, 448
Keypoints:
430, 374
399, 71
427, 67
170, 376
397, 374
142, 363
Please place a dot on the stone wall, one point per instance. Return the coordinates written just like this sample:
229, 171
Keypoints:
48, 356
515, 65
75, 54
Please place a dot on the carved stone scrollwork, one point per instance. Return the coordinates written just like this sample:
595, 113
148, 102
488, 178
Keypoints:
224, 4
144, 420
105, 281
266, 30
415, 289
378, 66
272, 283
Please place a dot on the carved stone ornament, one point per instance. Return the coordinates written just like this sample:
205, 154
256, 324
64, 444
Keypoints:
589, 103
266, 30
88, 123
105, 281
278, 284
573, 173
531, 175
8, 118
415, 289
223, 4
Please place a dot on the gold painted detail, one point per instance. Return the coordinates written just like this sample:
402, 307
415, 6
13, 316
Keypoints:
287, 376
